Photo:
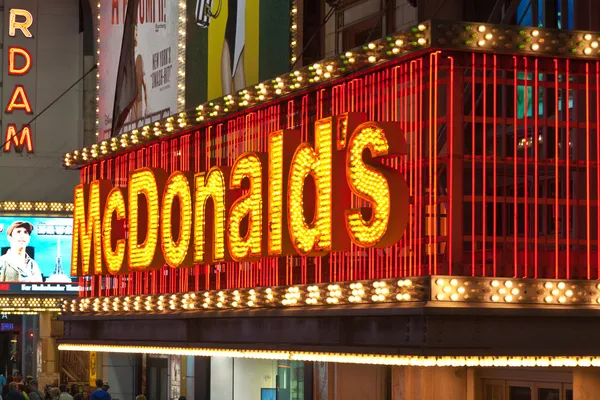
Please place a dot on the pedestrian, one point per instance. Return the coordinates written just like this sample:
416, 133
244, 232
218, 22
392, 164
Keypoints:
34, 392
99, 393
18, 377
24, 389
54, 393
64, 395
13, 392
76, 392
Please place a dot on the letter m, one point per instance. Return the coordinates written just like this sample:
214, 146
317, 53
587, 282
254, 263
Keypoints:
20, 140
87, 227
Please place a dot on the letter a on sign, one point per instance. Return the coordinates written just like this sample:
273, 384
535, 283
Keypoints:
19, 101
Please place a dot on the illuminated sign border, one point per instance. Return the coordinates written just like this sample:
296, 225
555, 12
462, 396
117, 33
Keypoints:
35, 207
257, 205
347, 358
435, 290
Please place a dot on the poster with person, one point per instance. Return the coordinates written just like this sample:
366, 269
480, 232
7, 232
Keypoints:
156, 44
35, 249
234, 44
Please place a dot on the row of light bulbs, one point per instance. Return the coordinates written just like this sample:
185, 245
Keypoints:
498, 290
375, 52
402, 290
35, 206
350, 358
529, 39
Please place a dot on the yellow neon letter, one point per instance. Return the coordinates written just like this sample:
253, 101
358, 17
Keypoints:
314, 237
115, 204
382, 224
281, 153
87, 231
210, 185
23, 26
177, 252
248, 245
144, 218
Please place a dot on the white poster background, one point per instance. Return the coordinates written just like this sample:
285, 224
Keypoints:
157, 43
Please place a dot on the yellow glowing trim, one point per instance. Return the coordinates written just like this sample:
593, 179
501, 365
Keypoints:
209, 185
349, 358
176, 252
275, 220
143, 182
87, 229
36, 206
315, 236
115, 203
248, 206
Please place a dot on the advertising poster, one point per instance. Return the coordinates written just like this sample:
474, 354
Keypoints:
35, 249
156, 61
233, 44
175, 373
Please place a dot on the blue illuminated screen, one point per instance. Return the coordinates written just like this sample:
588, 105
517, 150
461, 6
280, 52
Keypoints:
45, 253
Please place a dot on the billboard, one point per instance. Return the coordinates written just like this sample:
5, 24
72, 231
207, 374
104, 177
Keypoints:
35, 249
233, 44
156, 62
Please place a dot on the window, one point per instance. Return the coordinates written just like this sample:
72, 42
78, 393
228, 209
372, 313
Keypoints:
546, 13
358, 22
498, 389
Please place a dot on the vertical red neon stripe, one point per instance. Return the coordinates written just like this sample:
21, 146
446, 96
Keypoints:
473, 194
525, 176
430, 166
435, 166
568, 171
597, 161
587, 169
483, 192
421, 124
494, 177
408, 105
451, 162
536, 182
515, 171
556, 158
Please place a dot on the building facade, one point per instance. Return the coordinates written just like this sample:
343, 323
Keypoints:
480, 142
43, 98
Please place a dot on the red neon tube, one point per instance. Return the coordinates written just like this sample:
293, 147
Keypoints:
451, 162
515, 171
535, 166
473, 232
495, 179
556, 157
525, 176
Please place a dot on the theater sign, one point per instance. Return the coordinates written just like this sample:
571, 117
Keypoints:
293, 199
20, 45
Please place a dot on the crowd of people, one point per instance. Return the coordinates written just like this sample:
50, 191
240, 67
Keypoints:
17, 388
